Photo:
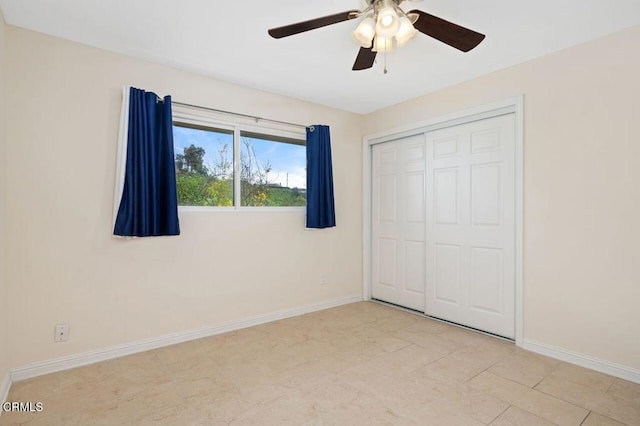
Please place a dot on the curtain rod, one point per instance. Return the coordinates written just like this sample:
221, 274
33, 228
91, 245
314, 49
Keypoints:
242, 115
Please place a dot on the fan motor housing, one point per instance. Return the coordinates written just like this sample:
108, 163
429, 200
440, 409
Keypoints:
370, 2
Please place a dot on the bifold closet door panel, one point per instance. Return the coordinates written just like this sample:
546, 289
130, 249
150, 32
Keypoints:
398, 222
470, 224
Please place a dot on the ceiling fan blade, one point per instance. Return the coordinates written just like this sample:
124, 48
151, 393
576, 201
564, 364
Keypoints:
447, 32
312, 24
365, 59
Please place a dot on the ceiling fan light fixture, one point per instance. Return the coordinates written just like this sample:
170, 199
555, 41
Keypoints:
388, 22
365, 32
382, 44
406, 31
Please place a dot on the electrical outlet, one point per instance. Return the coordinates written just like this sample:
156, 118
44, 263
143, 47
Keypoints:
62, 333
324, 280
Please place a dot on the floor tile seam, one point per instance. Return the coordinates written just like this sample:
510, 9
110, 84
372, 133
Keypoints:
488, 372
589, 410
625, 402
493, 365
433, 361
588, 370
539, 391
603, 393
438, 350
602, 415
573, 405
575, 382
497, 373
540, 381
501, 413
585, 419
415, 333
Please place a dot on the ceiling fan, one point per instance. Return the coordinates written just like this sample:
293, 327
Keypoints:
385, 25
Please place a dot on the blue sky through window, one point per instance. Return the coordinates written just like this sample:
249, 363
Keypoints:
212, 142
288, 161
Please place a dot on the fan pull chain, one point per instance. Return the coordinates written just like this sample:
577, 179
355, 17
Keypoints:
385, 62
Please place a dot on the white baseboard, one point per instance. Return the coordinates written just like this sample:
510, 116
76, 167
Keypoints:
607, 367
5, 385
91, 357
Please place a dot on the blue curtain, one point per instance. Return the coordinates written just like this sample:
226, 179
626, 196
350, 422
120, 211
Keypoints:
149, 204
320, 204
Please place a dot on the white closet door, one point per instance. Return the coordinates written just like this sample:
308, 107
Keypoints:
398, 222
471, 225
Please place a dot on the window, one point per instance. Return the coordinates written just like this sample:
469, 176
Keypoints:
237, 166
204, 165
272, 171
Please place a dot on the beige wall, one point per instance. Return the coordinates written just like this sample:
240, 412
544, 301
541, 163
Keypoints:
4, 319
64, 266
582, 193
582, 162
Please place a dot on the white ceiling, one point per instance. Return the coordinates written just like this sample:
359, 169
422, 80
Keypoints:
228, 40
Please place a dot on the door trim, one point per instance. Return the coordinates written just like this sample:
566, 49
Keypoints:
511, 105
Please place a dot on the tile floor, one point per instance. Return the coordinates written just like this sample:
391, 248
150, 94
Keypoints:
363, 363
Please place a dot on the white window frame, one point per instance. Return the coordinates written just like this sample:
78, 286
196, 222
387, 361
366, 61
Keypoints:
211, 119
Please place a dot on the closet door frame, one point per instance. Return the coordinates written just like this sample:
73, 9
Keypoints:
512, 105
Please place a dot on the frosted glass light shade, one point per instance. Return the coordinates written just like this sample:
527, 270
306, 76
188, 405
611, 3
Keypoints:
365, 32
406, 31
382, 44
388, 22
